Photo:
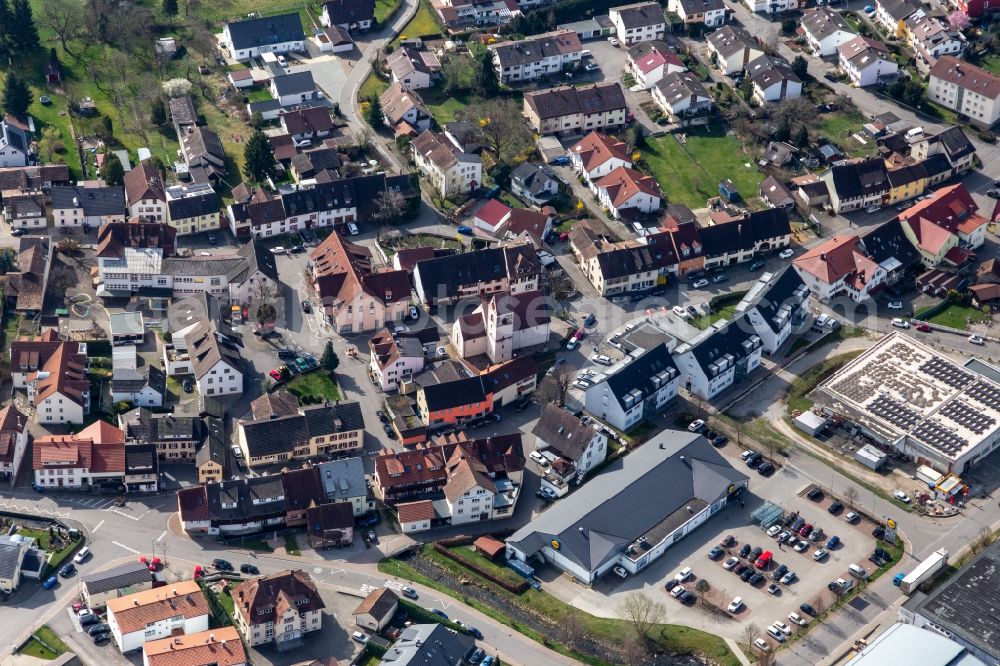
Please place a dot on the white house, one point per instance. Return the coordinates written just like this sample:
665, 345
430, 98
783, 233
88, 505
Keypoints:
143, 387
351, 15
866, 61
721, 356
771, 6
636, 388
94, 457
78, 205
403, 109
295, 88
773, 80
825, 30
640, 22
175, 609
712, 13
732, 49
932, 37
596, 155
451, 170
13, 440
375, 611
537, 56
567, 109
839, 267
59, 389
776, 306
504, 324
649, 62
267, 34
278, 609
214, 360
220, 646
856, 185
15, 145
24, 210
145, 194
970, 90
681, 95
561, 434
414, 69
394, 358
533, 183
626, 188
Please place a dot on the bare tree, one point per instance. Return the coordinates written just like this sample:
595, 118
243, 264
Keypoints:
561, 286
983, 539
64, 18
642, 613
389, 205
203, 43
749, 634
501, 128
850, 496
572, 627
555, 386
635, 650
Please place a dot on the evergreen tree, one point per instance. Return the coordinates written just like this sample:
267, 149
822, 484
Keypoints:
23, 33
53, 55
158, 112
801, 136
329, 360
6, 27
374, 113
487, 82
259, 158
800, 67
169, 8
112, 171
16, 94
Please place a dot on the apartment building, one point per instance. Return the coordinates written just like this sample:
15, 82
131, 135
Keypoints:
967, 89
536, 56
567, 110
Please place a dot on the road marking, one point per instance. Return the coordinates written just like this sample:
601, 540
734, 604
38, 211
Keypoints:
128, 548
160, 538
97, 527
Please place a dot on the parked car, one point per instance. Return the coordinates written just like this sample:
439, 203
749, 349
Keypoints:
360, 637
546, 494
89, 619
306, 306
101, 638
780, 571
808, 609
819, 554
745, 550
797, 619
805, 530
719, 278
756, 265
187, 385
50, 582
852, 517
720, 440
620, 572
901, 496
832, 542
735, 604
222, 565
976, 340
684, 574
739, 569
409, 592
389, 432
439, 613
699, 284
82, 556
249, 569
815, 494
613, 41
923, 328
776, 634
747, 574
730, 563
788, 578
766, 468
801, 547
465, 230
786, 253
900, 323
696, 426
98, 629
727, 541
835, 507
895, 305
67, 570
773, 589
715, 553
675, 590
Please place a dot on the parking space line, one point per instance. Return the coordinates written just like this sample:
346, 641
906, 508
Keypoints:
128, 548
97, 527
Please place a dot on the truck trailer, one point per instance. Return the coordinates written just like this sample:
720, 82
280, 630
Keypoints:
924, 571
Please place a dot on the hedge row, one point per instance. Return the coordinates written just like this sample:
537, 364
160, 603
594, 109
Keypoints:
488, 575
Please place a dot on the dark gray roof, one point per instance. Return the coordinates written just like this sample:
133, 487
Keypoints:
196, 267
888, 241
643, 373
729, 39
778, 301
966, 604
259, 258
273, 436
955, 143
641, 15
429, 645
899, 9
140, 458
455, 270
266, 31
532, 177
145, 425
350, 11
823, 22
116, 578
10, 558
294, 84
633, 496
454, 393
14, 137
215, 447
767, 70
343, 478
701, 6
182, 111
95, 201
564, 433
735, 339
238, 492
196, 205
861, 178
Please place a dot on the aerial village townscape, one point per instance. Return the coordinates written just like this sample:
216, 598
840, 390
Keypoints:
520, 332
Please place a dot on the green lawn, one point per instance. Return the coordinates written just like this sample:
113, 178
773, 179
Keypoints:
424, 23
956, 316
673, 638
445, 107
802, 386
384, 9
504, 573
373, 87
689, 174
991, 63
258, 94
723, 307
839, 128
318, 385
36, 649
291, 544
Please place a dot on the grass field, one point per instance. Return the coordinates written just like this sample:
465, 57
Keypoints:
839, 126
385, 8
318, 385
956, 316
373, 87
423, 23
723, 307
796, 398
36, 649
422, 240
991, 63
445, 107
690, 173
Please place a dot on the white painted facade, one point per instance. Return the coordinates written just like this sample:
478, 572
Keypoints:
155, 630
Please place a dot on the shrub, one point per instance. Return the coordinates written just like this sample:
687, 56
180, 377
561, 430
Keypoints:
987, 137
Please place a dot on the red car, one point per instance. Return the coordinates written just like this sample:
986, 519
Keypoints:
580, 333
805, 530
763, 560
564, 236
275, 374
154, 564
924, 328
198, 572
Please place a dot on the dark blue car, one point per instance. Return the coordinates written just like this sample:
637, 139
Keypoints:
465, 230
440, 613
50, 583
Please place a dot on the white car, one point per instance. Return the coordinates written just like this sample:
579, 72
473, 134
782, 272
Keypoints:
901, 496
360, 637
620, 572
976, 340
698, 284
353, 229
204, 253
278, 250
900, 323
801, 546
783, 628
776, 634
735, 604
730, 563
683, 574
873, 209
760, 643
696, 426
852, 517
896, 305
582, 384
773, 530
677, 591
819, 554
539, 458
786, 253
797, 619
591, 67
746, 454
282, 61
681, 312
602, 359
613, 41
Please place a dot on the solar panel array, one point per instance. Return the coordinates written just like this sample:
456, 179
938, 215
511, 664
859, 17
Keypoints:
940, 437
894, 412
947, 372
985, 393
968, 417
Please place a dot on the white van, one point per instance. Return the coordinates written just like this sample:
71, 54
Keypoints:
353, 228
82, 556
857, 571
819, 324
237, 452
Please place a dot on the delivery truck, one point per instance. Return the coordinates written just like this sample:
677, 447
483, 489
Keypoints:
926, 570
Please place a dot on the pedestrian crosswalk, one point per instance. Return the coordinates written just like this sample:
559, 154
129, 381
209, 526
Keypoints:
89, 502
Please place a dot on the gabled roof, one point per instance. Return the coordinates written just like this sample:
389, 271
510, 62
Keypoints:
729, 40
343, 270
349, 11
950, 209
266, 31
775, 192
533, 177
259, 258
215, 448
268, 437
841, 257
595, 149
766, 70
823, 22
898, 10
379, 603
94, 201
678, 86
859, 179
537, 48
640, 15
776, 298
404, 61
114, 237
641, 377
214, 647
964, 75
888, 241
398, 100
141, 423
452, 272
134, 612
116, 578
863, 52
647, 56
427, 644
206, 347
313, 119
274, 594
624, 183
295, 83
143, 182
15, 138
566, 100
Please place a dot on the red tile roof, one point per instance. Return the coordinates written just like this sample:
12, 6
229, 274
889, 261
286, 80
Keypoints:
493, 212
595, 149
411, 512
81, 451
623, 183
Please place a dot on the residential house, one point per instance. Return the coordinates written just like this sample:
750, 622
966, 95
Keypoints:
15, 145
425, 643
119, 581
213, 459
24, 210
443, 280
204, 156
257, 276
635, 389
355, 297
33, 178
459, 16
142, 468
857, 185
776, 306
523, 225
631, 514
406, 258
308, 124
177, 609
568, 110
683, 97
12, 555
967, 89
24, 289
142, 386
626, 191
732, 240
503, 325
294, 88
711, 13
511, 381
175, 436
249, 38
977, 8
776, 194
28, 356
719, 357
460, 398
13, 440
772, 6
330, 525
313, 431
278, 608
57, 386
92, 458
945, 227
113, 238
193, 208
214, 647
825, 31
931, 37
344, 482
952, 144
867, 61
688, 247
773, 80
732, 49
351, 15
145, 194
892, 14
413, 68
577, 448
840, 267
906, 182
537, 56
533, 183
640, 22
650, 61
404, 111
315, 165
375, 610
215, 359
80, 205
394, 358
451, 170
596, 155
625, 266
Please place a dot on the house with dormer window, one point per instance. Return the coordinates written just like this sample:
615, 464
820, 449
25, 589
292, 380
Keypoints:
723, 355
279, 609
